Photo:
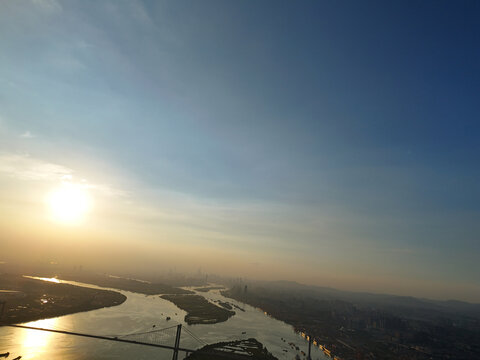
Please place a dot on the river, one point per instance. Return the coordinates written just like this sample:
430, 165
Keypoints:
139, 313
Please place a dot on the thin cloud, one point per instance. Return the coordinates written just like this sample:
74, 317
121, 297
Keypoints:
27, 135
28, 168
51, 6
67, 62
24, 167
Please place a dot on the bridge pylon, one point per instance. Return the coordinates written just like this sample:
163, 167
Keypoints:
177, 342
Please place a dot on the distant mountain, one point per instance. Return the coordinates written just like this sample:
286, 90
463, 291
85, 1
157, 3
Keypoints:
392, 303
364, 325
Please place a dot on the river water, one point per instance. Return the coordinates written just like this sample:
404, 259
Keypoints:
138, 314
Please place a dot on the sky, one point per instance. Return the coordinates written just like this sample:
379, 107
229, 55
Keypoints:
333, 143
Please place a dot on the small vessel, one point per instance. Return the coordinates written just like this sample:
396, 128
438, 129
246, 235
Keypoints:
5, 354
168, 318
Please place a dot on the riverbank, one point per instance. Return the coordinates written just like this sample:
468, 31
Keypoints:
199, 310
26, 299
132, 285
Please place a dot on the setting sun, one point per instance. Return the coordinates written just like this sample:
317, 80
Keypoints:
69, 203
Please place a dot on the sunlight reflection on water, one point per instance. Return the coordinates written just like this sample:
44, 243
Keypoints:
34, 341
54, 280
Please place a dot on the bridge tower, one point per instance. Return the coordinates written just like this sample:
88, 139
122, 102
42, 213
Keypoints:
177, 342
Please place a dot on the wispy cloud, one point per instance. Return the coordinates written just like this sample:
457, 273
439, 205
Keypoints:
52, 6
82, 44
27, 135
67, 62
27, 168
107, 190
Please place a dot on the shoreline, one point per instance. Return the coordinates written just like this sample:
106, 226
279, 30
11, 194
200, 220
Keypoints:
27, 300
125, 284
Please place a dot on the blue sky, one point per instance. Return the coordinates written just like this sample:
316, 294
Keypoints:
338, 132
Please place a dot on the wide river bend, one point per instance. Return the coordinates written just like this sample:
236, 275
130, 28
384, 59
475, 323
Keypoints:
138, 314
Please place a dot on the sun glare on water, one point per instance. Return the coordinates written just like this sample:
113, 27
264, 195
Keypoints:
69, 203
35, 343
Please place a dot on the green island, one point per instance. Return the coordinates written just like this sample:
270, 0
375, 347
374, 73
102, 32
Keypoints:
199, 310
238, 349
115, 282
24, 299
208, 288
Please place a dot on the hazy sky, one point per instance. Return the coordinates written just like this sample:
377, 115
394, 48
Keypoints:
330, 142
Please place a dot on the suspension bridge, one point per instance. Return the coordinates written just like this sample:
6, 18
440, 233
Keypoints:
155, 338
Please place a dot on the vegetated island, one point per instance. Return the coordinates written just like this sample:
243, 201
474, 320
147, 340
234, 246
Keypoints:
26, 299
208, 288
228, 305
238, 349
199, 310
115, 282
